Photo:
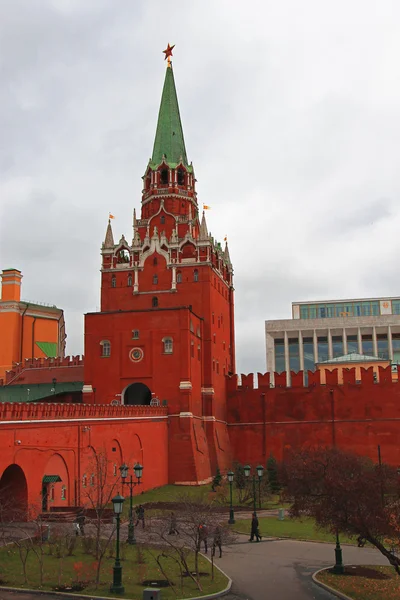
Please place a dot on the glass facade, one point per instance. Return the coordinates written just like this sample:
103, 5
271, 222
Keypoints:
294, 356
396, 348
279, 355
337, 345
323, 353
308, 352
352, 344
383, 346
339, 309
367, 345
367, 348
396, 307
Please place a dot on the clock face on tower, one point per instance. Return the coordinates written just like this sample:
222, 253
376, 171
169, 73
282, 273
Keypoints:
136, 354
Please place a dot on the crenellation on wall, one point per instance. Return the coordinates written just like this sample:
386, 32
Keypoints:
14, 411
41, 363
355, 415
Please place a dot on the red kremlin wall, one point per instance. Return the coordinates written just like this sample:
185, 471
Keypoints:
63, 439
356, 416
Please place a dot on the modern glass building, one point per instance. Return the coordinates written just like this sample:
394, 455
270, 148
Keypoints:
323, 330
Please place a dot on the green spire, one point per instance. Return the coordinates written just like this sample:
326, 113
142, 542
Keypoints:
169, 135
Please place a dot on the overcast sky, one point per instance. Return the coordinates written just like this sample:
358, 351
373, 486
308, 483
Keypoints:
291, 116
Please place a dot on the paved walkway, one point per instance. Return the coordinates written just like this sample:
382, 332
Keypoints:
270, 570
282, 569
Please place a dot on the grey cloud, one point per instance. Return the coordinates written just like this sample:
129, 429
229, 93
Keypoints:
291, 118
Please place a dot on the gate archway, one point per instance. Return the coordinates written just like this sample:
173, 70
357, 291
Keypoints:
137, 394
13, 494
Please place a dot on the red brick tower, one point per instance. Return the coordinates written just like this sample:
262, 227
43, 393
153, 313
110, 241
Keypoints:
166, 327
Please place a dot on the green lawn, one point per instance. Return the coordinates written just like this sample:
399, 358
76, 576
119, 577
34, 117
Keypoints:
365, 582
138, 566
291, 528
200, 493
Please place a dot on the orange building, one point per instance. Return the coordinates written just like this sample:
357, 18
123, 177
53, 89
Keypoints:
353, 360
27, 330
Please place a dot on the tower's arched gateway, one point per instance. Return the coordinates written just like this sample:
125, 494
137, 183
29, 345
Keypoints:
137, 394
13, 494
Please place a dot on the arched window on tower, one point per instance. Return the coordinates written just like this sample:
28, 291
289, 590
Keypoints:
179, 277
164, 176
155, 261
168, 345
154, 302
155, 279
191, 326
181, 177
195, 275
129, 280
162, 220
113, 281
192, 349
105, 348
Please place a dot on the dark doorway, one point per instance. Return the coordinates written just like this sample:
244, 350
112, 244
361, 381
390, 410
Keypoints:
137, 394
13, 495
45, 497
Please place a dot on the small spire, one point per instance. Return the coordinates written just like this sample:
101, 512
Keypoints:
109, 239
203, 228
226, 254
134, 222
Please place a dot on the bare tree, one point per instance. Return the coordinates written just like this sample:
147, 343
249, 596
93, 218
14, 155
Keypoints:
197, 524
97, 499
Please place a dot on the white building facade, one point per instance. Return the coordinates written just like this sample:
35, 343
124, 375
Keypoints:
323, 330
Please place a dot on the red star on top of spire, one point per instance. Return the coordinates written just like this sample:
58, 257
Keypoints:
168, 51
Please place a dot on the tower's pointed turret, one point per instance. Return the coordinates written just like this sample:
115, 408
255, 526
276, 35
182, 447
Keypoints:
109, 239
226, 255
169, 143
203, 228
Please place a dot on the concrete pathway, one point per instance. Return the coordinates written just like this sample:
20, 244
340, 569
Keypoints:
282, 569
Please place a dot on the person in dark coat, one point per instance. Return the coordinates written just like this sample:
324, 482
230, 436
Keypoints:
203, 535
80, 522
217, 541
140, 515
172, 525
254, 529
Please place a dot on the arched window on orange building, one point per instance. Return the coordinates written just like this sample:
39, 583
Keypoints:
113, 281
154, 302
195, 275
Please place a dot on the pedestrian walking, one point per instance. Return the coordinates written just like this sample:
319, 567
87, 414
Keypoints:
361, 541
203, 536
79, 523
254, 529
217, 541
140, 515
172, 525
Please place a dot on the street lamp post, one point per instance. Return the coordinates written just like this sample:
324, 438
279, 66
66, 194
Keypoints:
339, 567
116, 586
131, 483
231, 515
260, 471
